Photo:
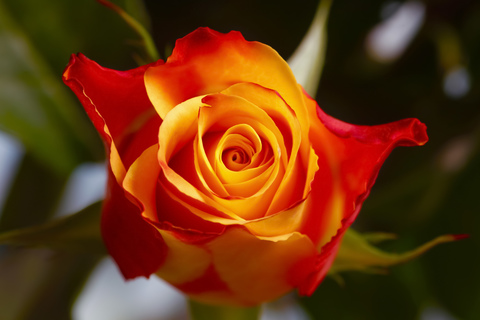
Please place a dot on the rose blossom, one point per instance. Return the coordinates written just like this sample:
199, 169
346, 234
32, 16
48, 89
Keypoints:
225, 178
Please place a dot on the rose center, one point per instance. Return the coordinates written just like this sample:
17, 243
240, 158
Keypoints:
236, 159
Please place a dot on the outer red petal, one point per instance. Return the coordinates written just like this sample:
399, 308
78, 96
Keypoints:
118, 106
356, 154
117, 103
135, 245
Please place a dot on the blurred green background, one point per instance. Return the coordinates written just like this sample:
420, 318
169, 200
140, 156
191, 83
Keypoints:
420, 193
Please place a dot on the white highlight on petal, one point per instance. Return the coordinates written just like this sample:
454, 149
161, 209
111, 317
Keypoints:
107, 296
11, 151
389, 39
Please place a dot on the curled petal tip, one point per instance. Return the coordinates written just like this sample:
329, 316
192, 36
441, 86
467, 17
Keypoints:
409, 132
74, 58
419, 132
66, 72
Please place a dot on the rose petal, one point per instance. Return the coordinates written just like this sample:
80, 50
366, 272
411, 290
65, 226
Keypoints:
129, 239
118, 105
184, 262
206, 61
267, 270
272, 266
285, 222
228, 112
170, 143
244, 159
296, 181
238, 178
353, 156
141, 181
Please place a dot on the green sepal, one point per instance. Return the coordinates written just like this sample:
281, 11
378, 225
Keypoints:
200, 311
358, 254
79, 232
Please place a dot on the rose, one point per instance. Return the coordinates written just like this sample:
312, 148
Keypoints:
225, 178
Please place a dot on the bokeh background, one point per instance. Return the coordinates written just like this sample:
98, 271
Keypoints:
385, 60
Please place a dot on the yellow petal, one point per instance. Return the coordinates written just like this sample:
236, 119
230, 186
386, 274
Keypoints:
261, 269
141, 181
184, 262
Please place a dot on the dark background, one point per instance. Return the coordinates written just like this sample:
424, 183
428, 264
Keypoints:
420, 193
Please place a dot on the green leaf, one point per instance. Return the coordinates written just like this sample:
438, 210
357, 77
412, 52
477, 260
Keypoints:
200, 311
308, 59
78, 232
357, 254
34, 105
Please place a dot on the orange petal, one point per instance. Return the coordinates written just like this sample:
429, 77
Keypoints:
184, 262
142, 184
226, 112
141, 181
171, 143
206, 61
258, 270
301, 165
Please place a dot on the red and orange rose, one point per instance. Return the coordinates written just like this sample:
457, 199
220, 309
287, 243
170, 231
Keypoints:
225, 178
